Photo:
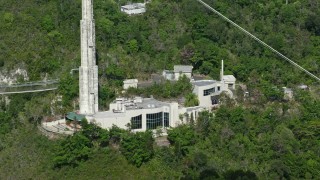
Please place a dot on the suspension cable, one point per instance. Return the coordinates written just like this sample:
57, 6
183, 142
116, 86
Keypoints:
258, 40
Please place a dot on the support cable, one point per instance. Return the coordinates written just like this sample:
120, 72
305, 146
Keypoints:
258, 40
28, 91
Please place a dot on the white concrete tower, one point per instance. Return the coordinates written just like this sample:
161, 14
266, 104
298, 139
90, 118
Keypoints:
221, 71
88, 70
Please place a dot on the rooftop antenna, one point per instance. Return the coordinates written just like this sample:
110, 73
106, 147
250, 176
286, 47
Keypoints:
222, 72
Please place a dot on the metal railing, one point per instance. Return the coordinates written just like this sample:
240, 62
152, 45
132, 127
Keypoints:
29, 87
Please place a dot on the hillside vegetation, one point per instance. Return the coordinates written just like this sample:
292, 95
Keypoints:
262, 137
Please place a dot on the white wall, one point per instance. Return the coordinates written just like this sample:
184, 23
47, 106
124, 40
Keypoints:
205, 101
128, 85
107, 119
177, 75
133, 11
190, 110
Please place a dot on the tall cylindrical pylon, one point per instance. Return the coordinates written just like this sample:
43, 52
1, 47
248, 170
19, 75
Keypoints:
88, 71
221, 71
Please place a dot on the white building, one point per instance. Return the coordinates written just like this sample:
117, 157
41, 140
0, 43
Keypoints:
178, 70
288, 93
134, 8
148, 114
143, 114
130, 83
303, 87
208, 91
229, 82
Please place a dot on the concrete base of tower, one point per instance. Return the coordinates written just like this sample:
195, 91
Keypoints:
88, 81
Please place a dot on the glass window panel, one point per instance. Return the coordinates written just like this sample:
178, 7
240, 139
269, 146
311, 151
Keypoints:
154, 120
136, 122
166, 119
208, 91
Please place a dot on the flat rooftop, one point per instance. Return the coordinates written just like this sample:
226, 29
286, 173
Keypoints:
134, 6
182, 68
229, 78
203, 82
108, 114
147, 103
190, 109
130, 81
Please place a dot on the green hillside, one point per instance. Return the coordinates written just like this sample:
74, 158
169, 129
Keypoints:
266, 137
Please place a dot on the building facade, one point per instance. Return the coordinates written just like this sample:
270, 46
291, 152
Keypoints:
178, 71
134, 8
130, 83
205, 90
208, 91
141, 114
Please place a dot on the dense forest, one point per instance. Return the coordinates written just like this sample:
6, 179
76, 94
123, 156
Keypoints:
261, 137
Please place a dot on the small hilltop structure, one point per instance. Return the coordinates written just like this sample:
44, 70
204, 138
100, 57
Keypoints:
134, 8
178, 71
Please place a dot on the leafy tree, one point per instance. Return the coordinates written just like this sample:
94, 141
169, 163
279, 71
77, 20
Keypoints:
191, 100
240, 175
116, 134
37, 108
8, 19
105, 26
5, 123
209, 173
133, 46
272, 93
97, 135
47, 23
68, 88
72, 151
106, 95
138, 147
203, 123
115, 73
313, 23
284, 141
183, 137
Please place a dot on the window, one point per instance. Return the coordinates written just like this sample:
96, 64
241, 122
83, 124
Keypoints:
166, 119
154, 120
218, 88
208, 91
136, 122
230, 86
214, 100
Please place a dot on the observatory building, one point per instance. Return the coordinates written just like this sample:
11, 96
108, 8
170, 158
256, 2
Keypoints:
141, 114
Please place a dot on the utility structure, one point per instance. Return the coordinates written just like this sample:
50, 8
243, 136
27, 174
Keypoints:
88, 71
